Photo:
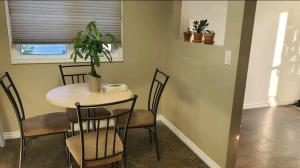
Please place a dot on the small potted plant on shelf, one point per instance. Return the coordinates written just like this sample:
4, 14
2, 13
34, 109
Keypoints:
90, 45
209, 36
187, 34
199, 26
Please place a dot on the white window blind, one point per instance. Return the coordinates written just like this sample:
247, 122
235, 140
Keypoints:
59, 21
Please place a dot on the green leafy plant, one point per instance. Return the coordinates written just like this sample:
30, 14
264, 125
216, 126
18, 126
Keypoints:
188, 30
209, 31
200, 25
91, 44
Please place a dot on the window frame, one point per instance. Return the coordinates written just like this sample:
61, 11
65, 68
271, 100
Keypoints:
18, 58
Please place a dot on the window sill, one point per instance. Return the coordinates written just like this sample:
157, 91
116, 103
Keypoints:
17, 59
55, 61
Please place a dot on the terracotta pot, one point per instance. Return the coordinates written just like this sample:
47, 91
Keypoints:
197, 37
187, 36
209, 38
94, 83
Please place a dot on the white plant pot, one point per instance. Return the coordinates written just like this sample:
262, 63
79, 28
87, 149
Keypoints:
94, 83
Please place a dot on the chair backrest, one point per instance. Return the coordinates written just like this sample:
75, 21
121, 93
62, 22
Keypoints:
13, 96
106, 128
73, 77
158, 84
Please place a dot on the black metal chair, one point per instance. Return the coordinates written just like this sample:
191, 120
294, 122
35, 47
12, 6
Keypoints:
72, 78
104, 145
52, 123
142, 118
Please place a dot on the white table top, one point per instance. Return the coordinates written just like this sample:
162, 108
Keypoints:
68, 95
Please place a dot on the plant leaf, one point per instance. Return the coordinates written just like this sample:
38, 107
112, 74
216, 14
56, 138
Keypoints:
89, 44
107, 55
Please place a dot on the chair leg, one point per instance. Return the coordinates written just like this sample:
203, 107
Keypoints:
65, 138
24, 147
21, 152
114, 165
73, 131
69, 160
94, 122
66, 148
156, 142
124, 162
150, 135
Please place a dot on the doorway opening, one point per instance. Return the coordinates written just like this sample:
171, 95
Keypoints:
269, 130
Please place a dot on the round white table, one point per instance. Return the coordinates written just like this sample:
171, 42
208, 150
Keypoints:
68, 95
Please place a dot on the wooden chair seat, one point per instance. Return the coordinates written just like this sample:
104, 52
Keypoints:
99, 112
74, 146
139, 118
46, 124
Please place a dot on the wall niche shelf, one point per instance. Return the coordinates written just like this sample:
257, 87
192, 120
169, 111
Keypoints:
200, 44
213, 11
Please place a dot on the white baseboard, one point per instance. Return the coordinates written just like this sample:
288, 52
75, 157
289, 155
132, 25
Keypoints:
188, 142
268, 104
16, 134
11, 135
177, 132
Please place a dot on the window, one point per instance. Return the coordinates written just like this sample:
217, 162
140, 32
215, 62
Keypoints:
43, 49
41, 31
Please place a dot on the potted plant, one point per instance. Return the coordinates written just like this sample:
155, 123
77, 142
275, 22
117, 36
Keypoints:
209, 36
187, 34
91, 44
199, 26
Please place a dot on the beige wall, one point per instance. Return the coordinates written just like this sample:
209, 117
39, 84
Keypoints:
143, 32
201, 88
199, 96
240, 82
286, 75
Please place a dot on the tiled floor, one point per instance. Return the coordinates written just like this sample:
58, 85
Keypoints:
48, 152
270, 138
